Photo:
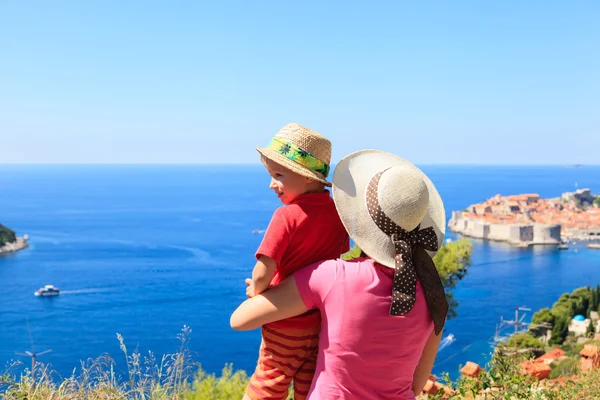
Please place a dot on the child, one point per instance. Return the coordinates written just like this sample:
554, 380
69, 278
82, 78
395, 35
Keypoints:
306, 230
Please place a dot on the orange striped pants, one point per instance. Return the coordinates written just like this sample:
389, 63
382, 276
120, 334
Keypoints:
286, 355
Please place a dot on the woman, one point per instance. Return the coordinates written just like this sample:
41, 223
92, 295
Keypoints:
382, 314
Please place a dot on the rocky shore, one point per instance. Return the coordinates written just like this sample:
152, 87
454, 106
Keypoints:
19, 244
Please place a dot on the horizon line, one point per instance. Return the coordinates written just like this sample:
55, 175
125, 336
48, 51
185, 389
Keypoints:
564, 165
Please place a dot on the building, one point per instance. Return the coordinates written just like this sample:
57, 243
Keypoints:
539, 370
527, 219
590, 357
551, 356
434, 388
579, 325
471, 369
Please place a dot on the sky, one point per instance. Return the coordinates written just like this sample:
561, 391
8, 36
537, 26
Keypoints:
436, 82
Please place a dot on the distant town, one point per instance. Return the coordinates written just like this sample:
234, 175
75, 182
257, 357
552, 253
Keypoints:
527, 219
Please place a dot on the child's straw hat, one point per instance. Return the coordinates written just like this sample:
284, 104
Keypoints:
300, 150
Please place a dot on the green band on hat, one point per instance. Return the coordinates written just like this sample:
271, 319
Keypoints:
299, 156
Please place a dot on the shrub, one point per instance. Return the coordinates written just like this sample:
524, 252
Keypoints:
6, 235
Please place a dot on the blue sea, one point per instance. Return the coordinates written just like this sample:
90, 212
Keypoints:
144, 250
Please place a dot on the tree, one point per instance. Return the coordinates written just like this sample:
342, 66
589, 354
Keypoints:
581, 298
544, 315
563, 306
596, 202
573, 309
542, 321
593, 301
591, 329
452, 262
524, 341
560, 331
6, 235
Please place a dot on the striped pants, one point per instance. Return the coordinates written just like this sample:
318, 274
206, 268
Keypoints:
286, 355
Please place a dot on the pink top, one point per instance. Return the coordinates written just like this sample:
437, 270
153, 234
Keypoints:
364, 353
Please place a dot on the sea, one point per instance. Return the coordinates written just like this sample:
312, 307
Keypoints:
144, 250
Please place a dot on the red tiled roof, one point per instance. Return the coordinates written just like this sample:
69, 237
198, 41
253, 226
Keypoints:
433, 387
590, 350
551, 355
471, 369
537, 370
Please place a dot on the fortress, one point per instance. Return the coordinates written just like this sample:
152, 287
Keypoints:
528, 220
512, 233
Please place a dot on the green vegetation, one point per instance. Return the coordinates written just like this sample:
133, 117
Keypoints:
177, 377
501, 379
582, 301
6, 235
591, 329
174, 376
560, 332
566, 367
597, 201
524, 341
543, 316
452, 262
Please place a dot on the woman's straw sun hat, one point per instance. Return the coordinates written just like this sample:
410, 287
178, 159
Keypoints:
405, 194
300, 150
395, 215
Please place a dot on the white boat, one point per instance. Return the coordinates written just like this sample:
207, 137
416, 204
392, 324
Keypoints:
48, 290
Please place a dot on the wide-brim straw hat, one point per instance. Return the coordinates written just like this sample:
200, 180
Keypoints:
406, 195
300, 150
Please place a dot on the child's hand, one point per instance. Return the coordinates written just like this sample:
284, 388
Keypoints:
250, 288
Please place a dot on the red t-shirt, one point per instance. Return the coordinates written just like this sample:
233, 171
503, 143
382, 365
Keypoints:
301, 233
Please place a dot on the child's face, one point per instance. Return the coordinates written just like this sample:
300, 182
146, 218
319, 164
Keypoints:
286, 184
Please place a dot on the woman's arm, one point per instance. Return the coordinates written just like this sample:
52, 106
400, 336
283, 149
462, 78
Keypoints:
280, 302
425, 365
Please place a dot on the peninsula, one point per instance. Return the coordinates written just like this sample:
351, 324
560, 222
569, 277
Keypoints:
526, 219
9, 241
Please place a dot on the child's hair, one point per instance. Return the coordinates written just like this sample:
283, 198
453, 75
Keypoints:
263, 159
315, 184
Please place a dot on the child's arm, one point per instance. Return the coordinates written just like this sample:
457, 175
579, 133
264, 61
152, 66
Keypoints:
262, 275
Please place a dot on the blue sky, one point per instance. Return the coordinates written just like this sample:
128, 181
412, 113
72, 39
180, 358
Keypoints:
453, 82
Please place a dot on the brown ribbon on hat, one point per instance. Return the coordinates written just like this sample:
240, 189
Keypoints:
412, 261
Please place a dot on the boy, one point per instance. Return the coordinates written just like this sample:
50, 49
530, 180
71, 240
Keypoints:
306, 230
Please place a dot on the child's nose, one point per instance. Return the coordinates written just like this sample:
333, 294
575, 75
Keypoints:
272, 185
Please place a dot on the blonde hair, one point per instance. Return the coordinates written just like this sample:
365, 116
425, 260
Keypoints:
313, 186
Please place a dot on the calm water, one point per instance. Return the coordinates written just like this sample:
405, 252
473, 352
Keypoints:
144, 250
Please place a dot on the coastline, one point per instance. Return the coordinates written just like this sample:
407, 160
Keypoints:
19, 244
529, 220
533, 234
522, 235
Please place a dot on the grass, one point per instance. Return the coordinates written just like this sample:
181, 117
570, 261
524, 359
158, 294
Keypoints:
173, 376
177, 376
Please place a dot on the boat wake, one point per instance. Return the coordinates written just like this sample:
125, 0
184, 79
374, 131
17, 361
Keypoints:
447, 341
85, 291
